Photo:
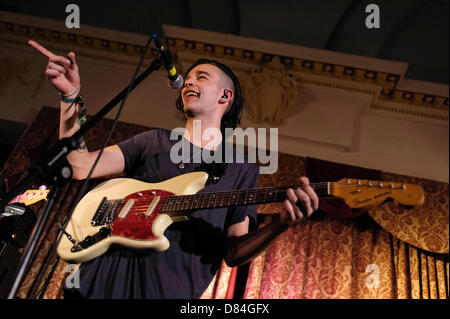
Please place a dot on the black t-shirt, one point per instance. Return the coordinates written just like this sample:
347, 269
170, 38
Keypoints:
196, 247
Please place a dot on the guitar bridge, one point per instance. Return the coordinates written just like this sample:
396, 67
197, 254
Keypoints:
105, 212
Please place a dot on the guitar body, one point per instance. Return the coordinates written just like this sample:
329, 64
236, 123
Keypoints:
136, 230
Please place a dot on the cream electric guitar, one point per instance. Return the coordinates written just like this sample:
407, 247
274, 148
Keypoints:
135, 214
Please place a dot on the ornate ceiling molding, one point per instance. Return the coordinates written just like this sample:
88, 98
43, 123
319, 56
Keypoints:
88, 41
315, 72
429, 114
381, 78
307, 66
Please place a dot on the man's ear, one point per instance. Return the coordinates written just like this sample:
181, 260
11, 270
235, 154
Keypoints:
226, 96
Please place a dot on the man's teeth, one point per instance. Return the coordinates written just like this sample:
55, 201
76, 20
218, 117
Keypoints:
192, 94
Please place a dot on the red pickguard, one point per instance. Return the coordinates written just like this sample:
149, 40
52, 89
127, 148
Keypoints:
136, 225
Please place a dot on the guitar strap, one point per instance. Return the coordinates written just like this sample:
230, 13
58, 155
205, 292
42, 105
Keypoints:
214, 170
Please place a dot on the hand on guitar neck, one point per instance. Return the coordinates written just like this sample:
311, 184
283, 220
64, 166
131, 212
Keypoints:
301, 202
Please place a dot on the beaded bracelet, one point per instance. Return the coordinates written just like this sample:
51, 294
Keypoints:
68, 101
64, 97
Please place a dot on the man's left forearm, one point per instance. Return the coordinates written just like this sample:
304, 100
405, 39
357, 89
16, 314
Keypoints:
242, 249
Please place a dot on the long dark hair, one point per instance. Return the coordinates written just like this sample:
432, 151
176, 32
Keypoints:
232, 117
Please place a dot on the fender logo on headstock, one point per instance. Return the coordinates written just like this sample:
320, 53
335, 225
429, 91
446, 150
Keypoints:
383, 194
357, 201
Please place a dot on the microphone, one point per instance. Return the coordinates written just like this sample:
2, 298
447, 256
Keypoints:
175, 81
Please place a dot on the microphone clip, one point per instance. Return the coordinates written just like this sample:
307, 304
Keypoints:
175, 80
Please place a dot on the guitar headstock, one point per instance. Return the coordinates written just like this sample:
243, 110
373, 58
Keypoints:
364, 193
31, 196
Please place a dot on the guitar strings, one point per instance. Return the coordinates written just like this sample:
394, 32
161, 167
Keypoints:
226, 198
256, 191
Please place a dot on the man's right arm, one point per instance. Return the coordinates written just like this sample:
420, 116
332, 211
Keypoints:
62, 72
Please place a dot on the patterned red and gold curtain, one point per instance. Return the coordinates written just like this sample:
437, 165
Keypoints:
387, 253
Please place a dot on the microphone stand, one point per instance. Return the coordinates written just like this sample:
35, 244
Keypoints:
55, 168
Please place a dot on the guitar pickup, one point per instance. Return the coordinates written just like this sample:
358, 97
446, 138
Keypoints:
152, 206
126, 209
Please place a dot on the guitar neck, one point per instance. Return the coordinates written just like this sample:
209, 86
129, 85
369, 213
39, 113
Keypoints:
236, 198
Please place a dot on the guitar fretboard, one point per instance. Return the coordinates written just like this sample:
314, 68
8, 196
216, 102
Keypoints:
233, 198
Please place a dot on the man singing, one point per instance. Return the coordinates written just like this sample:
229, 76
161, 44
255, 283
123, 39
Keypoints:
212, 95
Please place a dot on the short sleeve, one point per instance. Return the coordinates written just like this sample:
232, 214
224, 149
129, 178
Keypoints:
131, 149
248, 180
134, 148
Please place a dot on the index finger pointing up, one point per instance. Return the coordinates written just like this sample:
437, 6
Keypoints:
40, 48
